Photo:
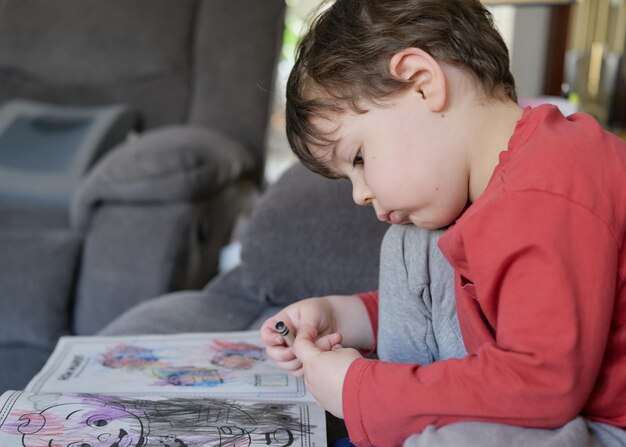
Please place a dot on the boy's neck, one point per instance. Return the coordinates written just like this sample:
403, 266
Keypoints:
495, 123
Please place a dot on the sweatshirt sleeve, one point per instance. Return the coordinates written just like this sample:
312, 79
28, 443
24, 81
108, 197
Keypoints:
370, 301
541, 294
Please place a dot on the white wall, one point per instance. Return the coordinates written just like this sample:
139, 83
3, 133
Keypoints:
529, 46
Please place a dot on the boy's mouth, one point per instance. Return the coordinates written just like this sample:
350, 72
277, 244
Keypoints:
383, 217
392, 217
396, 218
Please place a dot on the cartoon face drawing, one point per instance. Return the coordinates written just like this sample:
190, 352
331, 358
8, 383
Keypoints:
89, 423
91, 420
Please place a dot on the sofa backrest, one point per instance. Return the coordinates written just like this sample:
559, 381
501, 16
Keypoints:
207, 62
236, 50
306, 237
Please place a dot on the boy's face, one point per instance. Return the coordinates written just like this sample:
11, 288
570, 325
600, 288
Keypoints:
402, 159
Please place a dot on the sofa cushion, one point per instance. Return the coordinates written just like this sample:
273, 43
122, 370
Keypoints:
306, 237
36, 280
171, 164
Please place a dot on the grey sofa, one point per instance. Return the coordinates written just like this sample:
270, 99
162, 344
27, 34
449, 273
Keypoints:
305, 237
150, 215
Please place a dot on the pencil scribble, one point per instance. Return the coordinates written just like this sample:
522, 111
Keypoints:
91, 420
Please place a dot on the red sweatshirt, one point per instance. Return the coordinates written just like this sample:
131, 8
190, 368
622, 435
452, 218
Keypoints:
540, 275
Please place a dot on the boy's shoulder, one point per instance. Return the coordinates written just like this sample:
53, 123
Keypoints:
569, 158
548, 147
549, 131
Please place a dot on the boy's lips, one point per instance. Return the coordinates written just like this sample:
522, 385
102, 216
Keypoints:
391, 216
383, 217
395, 218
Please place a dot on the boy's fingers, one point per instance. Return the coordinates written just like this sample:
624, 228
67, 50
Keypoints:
328, 342
306, 332
291, 366
269, 334
280, 353
304, 349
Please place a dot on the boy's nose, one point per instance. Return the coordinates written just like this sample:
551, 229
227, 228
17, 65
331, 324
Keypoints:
361, 194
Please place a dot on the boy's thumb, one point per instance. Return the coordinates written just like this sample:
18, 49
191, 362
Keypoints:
328, 342
304, 347
306, 332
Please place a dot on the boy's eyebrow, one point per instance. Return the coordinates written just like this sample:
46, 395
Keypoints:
335, 148
333, 155
336, 145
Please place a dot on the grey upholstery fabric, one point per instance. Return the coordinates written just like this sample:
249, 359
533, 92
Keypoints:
32, 217
36, 310
204, 63
162, 246
157, 86
224, 305
167, 165
220, 96
21, 363
306, 237
186, 74
153, 256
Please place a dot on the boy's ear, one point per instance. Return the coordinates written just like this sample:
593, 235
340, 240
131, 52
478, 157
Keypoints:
426, 74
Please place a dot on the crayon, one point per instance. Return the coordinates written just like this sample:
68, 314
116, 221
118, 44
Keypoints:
283, 330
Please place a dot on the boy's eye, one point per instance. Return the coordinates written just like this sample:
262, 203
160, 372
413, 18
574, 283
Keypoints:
358, 159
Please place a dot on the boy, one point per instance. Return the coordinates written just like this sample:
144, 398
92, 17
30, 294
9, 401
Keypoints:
414, 103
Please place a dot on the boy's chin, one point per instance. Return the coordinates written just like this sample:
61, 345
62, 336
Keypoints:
427, 225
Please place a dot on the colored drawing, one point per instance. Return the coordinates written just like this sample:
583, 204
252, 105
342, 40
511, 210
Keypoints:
131, 357
189, 376
78, 420
220, 364
233, 355
128, 356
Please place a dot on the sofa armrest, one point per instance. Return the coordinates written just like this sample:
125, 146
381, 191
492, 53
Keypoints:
36, 280
224, 305
133, 253
172, 164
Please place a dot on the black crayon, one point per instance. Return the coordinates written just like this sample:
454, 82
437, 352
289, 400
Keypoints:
283, 330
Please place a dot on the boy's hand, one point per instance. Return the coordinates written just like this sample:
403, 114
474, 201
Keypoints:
313, 313
325, 365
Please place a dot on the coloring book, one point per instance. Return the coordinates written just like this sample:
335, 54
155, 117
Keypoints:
183, 390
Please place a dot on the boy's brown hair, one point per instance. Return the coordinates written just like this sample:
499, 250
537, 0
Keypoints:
344, 58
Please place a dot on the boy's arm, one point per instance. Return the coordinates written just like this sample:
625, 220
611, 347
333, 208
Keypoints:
357, 319
545, 282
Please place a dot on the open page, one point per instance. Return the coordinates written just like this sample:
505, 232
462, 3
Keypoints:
96, 420
229, 364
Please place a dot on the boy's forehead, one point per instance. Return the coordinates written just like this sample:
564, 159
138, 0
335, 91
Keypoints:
328, 124
331, 130
331, 137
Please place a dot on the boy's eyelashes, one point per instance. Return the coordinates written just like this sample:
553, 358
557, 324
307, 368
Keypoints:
358, 159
